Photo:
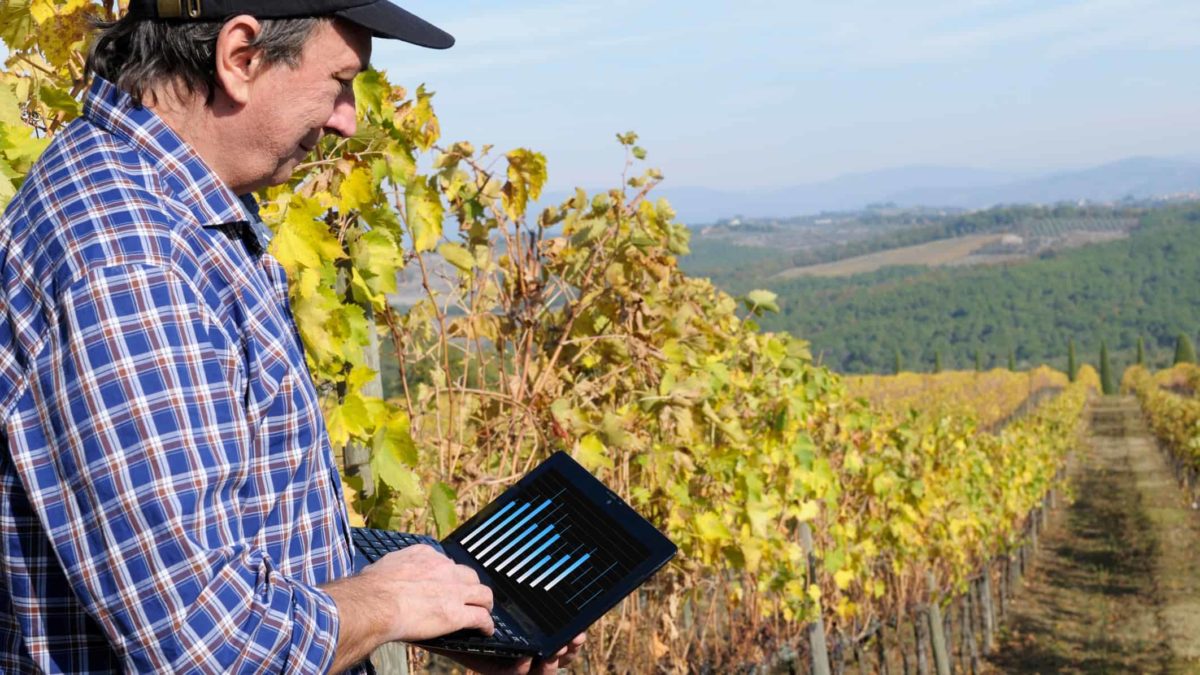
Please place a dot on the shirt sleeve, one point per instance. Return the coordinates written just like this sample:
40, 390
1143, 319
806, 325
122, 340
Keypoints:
141, 493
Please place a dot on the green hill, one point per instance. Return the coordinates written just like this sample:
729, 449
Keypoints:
1147, 285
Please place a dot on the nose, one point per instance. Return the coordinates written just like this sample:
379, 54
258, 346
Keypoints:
343, 120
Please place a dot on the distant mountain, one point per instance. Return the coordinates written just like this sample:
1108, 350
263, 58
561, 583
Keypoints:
1138, 177
937, 186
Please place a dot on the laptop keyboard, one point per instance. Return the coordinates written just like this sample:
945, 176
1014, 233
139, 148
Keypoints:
504, 638
374, 544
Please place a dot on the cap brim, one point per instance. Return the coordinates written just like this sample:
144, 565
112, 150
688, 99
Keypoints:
386, 20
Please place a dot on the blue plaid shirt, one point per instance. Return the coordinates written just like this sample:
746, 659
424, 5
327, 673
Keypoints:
168, 497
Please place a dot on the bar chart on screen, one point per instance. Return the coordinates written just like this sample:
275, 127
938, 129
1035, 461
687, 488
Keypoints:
550, 546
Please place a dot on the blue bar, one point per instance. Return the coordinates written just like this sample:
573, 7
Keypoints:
533, 569
514, 528
532, 528
498, 528
533, 555
553, 567
487, 522
525, 547
567, 571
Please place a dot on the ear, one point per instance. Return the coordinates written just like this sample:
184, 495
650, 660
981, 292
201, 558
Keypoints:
238, 61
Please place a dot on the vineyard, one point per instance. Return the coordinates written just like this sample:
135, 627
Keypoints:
798, 498
1173, 411
1057, 227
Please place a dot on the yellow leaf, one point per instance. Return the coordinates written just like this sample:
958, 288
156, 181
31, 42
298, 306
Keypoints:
351, 494
357, 190
425, 214
526, 176
808, 510
41, 11
711, 529
843, 578
591, 453
303, 240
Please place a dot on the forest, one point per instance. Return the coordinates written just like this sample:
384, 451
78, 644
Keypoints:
1145, 286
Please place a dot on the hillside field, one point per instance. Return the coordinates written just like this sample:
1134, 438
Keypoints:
933, 254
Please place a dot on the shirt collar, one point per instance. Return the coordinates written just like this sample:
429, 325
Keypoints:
184, 173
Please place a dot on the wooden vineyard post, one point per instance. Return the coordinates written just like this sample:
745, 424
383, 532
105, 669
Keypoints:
1035, 521
881, 648
921, 633
970, 607
391, 657
357, 457
985, 610
937, 630
816, 631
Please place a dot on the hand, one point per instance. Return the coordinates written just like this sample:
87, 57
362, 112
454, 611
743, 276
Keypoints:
526, 666
432, 594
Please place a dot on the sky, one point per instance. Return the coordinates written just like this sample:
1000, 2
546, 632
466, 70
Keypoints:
767, 94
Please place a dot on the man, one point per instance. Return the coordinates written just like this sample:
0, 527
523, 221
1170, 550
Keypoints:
168, 498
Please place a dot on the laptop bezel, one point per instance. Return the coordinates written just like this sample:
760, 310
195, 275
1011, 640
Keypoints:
659, 550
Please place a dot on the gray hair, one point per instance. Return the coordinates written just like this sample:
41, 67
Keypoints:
137, 54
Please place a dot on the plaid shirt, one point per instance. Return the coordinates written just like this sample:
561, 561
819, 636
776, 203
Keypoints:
168, 497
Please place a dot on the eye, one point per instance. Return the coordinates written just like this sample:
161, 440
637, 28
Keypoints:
346, 85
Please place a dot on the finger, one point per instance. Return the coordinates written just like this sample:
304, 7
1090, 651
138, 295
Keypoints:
478, 617
478, 596
425, 554
549, 667
578, 640
466, 574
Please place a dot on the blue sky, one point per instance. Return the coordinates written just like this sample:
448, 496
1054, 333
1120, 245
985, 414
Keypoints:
770, 93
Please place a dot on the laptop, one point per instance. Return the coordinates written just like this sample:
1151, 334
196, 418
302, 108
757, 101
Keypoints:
558, 549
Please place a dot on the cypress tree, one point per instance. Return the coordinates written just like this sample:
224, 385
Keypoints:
978, 360
1141, 351
937, 362
899, 364
1184, 352
1012, 360
1107, 383
1072, 363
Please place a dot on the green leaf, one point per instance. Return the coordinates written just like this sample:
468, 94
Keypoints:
441, 502
377, 258
394, 442
371, 93
59, 100
350, 419
458, 256
10, 106
7, 190
394, 454
20, 145
760, 300
402, 481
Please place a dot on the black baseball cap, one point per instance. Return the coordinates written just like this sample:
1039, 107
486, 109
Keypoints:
381, 17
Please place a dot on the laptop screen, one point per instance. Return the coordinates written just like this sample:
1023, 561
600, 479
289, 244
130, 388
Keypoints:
558, 546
